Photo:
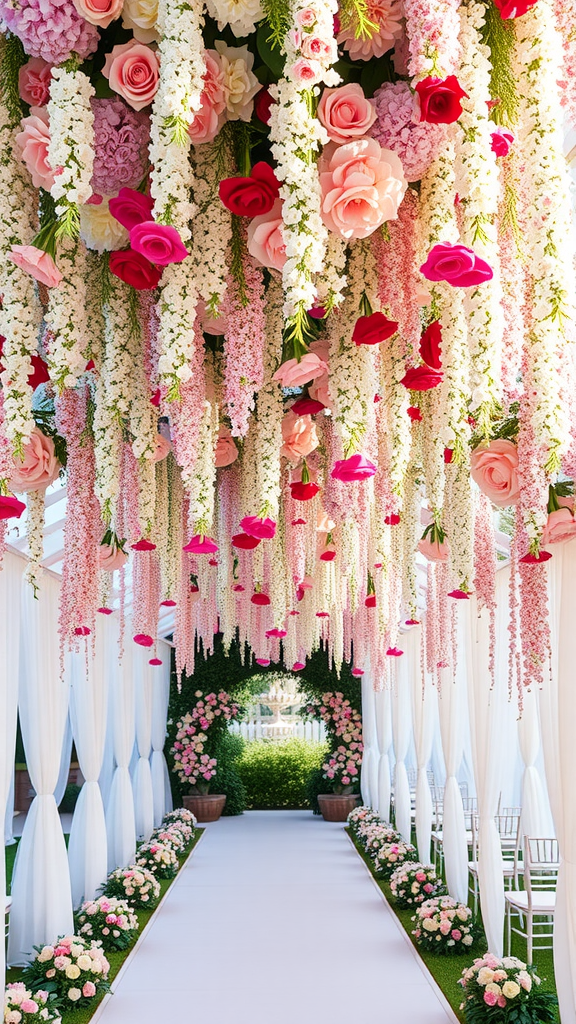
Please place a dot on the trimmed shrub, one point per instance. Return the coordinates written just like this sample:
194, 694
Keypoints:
276, 774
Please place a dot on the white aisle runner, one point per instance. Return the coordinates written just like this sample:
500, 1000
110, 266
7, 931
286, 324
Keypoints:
275, 920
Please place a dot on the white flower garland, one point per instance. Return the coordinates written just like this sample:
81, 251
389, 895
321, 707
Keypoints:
269, 414
478, 188
66, 317
296, 136
200, 487
35, 501
20, 312
71, 145
143, 427
331, 283
211, 230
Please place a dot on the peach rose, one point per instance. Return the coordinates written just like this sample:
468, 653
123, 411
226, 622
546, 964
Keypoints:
37, 263
163, 447
319, 389
346, 113
32, 144
362, 187
494, 467
99, 12
38, 468
561, 524
111, 557
226, 451
205, 123
323, 522
133, 71
433, 550
295, 373
34, 82
299, 435
265, 239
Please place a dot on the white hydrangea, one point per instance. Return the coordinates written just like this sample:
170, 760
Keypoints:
241, 15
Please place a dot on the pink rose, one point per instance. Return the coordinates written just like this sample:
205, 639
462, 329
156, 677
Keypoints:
34, 82
560, 526
494, 467
306, 17
226, 451
133, 71
29, 1006
163, 447
37, 263
159, 243
295, 373
299, 436
99, 12
305, 70
433, 550
456, 934
362, 187
88, 989
315, 48
266, 240
32, 144
457, 265
130, 208
38, 468
111, 557
205, 123
346, 113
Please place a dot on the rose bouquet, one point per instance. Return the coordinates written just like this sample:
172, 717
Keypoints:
359, 815
158, 858
412, 884
109, 920
135, 884
73, 971
180, 814
374, 837
444, 926
504, 990
390, 855
23, 1007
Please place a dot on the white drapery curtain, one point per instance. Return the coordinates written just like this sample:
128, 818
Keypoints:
370, 755
87, 849
120, 819
401, 732
535, 807
383, 715
142, 780
10, 586
42, 900
424, 718
159, 768
452, 712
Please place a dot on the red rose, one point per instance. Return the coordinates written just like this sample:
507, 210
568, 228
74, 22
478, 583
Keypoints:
370, 601
431, 345
374, 329
438, 99
10, 507
134, 269
501, 141
130, 208
262, 105
253, 196
448, 455
303, 491
422, 378
306, 406
514, 8
261, 599
243, 541
39, 373
414, 414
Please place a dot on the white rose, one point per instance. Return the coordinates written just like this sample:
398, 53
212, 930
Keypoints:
84, 962
99, 230
140, 17
72, 972
241, 16
74, 994
241, 85
510, 989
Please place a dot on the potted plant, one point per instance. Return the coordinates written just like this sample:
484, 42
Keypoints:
196, 769
342, 769
336, 806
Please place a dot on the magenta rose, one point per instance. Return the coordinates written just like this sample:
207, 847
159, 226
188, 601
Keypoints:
99, 12
134, 269
514, 8
37, 263
32, 144
11, 507
457, 265
494, 467
346, 113
38, 468
130, 208
159, 243
255, 526
362, 187
133, 71
357, 467
502, 141
34, 82
266, 240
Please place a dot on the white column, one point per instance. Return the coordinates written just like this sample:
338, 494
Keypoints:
42, 900
120, 818
142, 779
87, 848
158, 766
370, 752
401, 731
383, 713
452, 709
424, 712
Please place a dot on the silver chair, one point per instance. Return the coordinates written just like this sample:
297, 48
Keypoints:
536, 902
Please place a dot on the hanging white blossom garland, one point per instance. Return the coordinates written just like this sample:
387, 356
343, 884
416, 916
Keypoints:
71, 145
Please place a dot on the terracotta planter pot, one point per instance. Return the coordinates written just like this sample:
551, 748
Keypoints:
206, 806
337, 807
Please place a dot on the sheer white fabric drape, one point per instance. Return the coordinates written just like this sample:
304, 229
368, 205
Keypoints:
370, 755
87, 849
452, 712
120, 819
423, 717
535, 807
42, 901
383, 715
401, 732
159, 768
142, 780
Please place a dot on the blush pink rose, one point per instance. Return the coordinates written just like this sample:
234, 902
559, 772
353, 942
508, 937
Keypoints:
205, 123
99, 12
560, 526
319, 389
37, 263
299, 435
34, 82
265, 239
494, 467
133, 71
88, 989
38, 468
295, 373
362, 187
226, 451
111, 557
305, 70
163, 447
32, 144
433, 550
315, 48
346, 113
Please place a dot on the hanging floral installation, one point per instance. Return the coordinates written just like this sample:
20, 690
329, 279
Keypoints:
287, 292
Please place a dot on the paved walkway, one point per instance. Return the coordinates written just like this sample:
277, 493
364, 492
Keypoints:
274, 920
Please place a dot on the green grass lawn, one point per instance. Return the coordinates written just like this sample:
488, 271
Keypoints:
83, 1014
447, 969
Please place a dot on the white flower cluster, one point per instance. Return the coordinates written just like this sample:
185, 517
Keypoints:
20, 312
35, 538
71, 145
549, 242
66, 317
200, 485
269, 415
144, 430
241, 15
211, 231
332, 281
477, 186
296, 136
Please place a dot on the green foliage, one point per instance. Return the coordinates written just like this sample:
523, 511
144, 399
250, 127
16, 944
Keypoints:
315, 785
540, 1009
355, 13
498, 34
70, 798
269, 48
227, 779
276, 774
12, 57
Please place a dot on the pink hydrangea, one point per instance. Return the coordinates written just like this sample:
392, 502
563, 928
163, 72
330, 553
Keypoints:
417, 144
121, 137
49, 30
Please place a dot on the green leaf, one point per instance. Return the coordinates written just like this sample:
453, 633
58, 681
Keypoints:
271, 56
375, 73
